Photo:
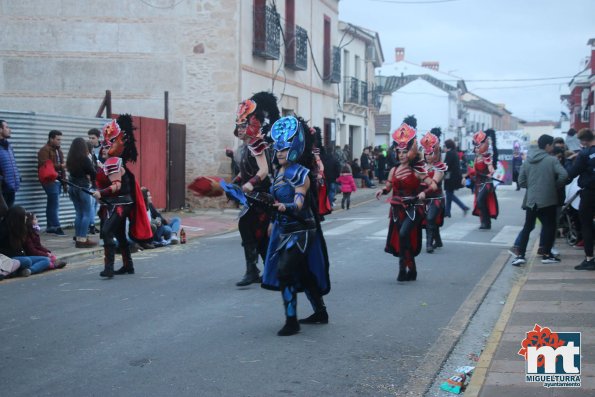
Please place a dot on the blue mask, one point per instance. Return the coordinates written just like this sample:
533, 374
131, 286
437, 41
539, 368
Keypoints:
287, 133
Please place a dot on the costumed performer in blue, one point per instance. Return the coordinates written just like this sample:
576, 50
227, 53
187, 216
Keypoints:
120, 196
297, 259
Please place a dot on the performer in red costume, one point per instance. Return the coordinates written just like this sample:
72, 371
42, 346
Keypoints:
120, 196
406, 210
435, 200
486, 202
254, 119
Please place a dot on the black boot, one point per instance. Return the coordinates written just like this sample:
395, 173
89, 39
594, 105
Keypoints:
437, 238
127, 265
289, 295
291, 327
252, 273
320, 315
109, 256
429, 239
402, 271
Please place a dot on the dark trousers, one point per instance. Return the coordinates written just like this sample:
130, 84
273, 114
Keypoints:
8, 197
585, 214
450, 197
547, 217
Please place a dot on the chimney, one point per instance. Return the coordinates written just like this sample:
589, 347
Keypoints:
431, 65
399, 54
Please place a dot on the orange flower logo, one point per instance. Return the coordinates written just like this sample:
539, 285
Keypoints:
540, 336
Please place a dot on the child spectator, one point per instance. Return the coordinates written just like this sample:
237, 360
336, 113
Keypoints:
13, 233
33, 246
347, 185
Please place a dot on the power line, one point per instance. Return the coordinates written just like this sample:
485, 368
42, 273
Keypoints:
516, 86
510, 80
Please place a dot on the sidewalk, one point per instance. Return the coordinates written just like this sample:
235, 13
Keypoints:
551, 295
196, 223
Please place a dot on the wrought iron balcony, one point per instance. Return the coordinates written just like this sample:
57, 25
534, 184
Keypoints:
356, 91
335, 75
266, 33
297, 49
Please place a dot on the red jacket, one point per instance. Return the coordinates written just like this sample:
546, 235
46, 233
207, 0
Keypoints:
347, 183
33, 245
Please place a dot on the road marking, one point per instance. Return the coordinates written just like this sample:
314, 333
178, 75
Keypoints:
507, 235
382, 233
446, 241
458, 230
348, 227
226, 235
192, 228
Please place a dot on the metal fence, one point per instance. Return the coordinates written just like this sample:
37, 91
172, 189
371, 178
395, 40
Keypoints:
29, 134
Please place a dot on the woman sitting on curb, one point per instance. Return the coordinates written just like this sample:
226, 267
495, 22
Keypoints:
33, 246
164, 232
13, 234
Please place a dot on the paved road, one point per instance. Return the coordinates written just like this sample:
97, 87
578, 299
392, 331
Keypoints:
180, 326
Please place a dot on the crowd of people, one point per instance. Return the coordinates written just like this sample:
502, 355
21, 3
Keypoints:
286, 182
83, 174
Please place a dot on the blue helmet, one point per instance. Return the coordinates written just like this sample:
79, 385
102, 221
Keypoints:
288, 133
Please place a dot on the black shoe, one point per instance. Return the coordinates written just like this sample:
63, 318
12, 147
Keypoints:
147, 246
249, 278
485, 227
59, 232
320, 317
124, 270
92, 229
291, 327
586, 265
402, 275
412, 275
108, 273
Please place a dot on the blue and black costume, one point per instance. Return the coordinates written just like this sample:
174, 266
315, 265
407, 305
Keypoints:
297, 258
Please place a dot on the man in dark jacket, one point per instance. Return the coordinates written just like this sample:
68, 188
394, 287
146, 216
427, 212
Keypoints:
51, 151
332, 169
453, 178
584, 168
542, 175
9, 172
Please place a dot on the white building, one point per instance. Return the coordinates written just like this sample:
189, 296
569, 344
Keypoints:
361, 53
420, 90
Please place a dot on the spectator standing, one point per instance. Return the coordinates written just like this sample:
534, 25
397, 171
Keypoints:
95, 154
9, 172
332, 169
452, 178
517, 162
82, 174
347, 186
364, 163
572, 141
584, 168
346, 153
381, 162
357, 173
541, 175
51, 151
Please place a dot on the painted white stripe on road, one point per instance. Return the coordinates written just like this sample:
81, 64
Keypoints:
458, 230
507, 235
490, 244
226, 235
346, 228
382, 233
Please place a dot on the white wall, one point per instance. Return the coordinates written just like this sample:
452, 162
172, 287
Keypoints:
428, 104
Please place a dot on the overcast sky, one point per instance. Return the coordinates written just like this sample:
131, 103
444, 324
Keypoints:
489, 40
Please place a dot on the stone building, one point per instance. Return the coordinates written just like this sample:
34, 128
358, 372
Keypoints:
60, 56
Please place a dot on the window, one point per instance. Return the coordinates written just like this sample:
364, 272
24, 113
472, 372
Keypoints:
326, 55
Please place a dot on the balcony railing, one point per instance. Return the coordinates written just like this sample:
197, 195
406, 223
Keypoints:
335, 76
297, 49
266, 33
356, 91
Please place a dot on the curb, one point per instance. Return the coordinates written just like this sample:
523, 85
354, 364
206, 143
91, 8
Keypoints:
480, 372
422, 379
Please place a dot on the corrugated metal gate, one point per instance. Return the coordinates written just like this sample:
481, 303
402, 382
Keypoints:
29, 133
